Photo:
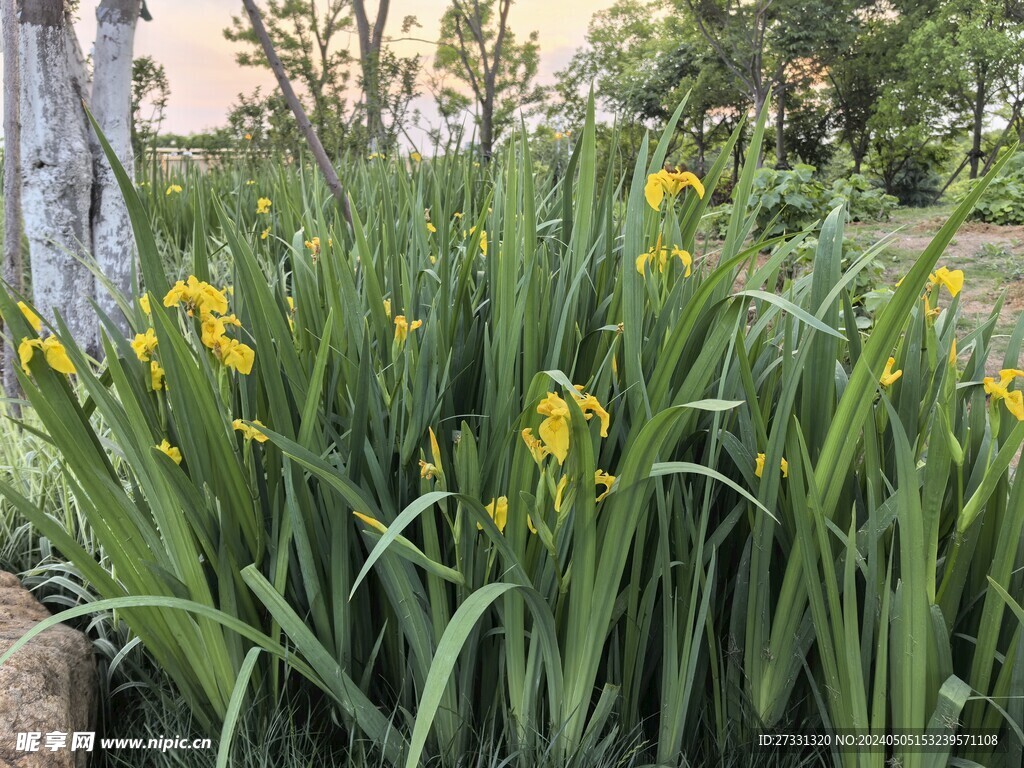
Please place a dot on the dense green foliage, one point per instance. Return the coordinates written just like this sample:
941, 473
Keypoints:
875, 581
793, 200
1003, 202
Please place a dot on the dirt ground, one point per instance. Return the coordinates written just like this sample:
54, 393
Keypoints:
991, 256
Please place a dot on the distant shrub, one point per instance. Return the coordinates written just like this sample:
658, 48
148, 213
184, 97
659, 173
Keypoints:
793, 200
917, 185
1003, 201
867, 202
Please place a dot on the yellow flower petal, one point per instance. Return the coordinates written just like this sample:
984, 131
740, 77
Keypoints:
170, 451
26, 349
498, 510
1015, 404
603, 478
32, 317
56, 356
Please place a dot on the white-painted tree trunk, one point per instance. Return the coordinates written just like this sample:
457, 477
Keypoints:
57, 172
112, 240
13, 268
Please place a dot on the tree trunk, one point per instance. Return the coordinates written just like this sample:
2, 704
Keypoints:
305, 127
978, 127
487, 128
112, 241
781, 162
12, 267
859, 150
370, 41
56, 167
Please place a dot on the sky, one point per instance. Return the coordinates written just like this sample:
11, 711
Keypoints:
186, 36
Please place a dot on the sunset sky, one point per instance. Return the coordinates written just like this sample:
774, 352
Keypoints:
186, 37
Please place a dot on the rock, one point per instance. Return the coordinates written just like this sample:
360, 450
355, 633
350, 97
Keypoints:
47, 689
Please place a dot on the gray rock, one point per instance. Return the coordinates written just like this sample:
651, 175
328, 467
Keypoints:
47, 687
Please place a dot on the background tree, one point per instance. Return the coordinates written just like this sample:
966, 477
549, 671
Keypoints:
150, 93
859, 75
478, 47
310, 39
775, 45
964, 49
642, 61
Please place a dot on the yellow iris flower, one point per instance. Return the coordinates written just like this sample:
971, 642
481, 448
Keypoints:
1013, 400
536, 445
196, 294
235, 355
952, 280
670, 183
591, 407
53, 352
156, 376
403, 326
498, 510
759, 466
144, 345
170, 451
250, 432
554, 430
889, 376
603, 478
263, 205
661, 256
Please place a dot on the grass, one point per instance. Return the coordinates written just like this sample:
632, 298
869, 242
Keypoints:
709, 596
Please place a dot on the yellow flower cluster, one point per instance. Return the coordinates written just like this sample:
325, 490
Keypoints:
173, 189
145, 345
670, 183
263, 205
1012, 399
212, 305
